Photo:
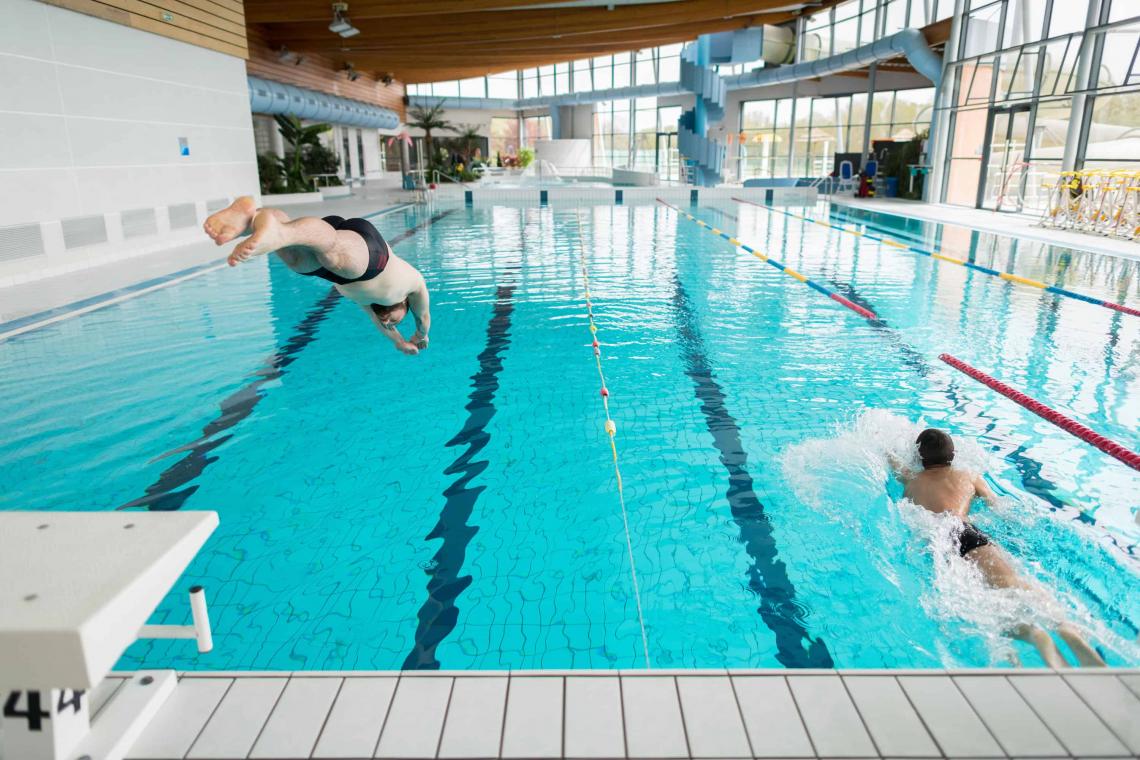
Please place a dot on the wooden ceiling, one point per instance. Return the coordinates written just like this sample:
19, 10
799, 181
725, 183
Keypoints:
432, 40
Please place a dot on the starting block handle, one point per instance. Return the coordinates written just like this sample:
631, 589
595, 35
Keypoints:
200, 630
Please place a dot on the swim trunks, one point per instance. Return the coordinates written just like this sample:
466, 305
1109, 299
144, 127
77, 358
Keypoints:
969, 538
377, 250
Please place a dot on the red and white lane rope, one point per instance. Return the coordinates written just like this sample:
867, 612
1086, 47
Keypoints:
611, 431
1069, 425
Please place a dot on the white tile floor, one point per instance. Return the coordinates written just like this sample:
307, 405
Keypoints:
1023, 226
645, 714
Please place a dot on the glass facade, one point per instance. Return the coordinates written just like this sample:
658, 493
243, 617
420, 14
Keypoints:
637, 134
853, 23
639, 67
768, 146
1017, 78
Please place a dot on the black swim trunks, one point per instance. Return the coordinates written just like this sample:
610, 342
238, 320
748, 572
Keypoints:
377, 250
969, 538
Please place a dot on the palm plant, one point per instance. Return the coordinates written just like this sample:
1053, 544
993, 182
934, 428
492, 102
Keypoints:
298, 137
428, 119
468, 140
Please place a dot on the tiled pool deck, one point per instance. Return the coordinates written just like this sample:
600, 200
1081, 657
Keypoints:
644, 714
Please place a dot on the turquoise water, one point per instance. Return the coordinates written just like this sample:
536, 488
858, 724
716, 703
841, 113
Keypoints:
459, 509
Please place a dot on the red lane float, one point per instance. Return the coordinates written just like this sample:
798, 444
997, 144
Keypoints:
1089, 436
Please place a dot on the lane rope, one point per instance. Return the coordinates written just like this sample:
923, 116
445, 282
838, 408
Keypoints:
865, 313
1088, 435
611, 431
1007, 276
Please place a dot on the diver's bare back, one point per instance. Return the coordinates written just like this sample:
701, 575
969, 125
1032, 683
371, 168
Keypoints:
392, 285
943, 489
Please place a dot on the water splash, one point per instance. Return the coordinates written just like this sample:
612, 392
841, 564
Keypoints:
854, 487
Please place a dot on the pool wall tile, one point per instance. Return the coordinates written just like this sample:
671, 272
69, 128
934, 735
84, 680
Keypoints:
712, 717
352, 728
771, 717
298, 717
180, 719
1118, 707
1012, 722
533, 726
652, 713
593, 719
832, 721
1078, 727
892, 722
236, 723
474, 718
949, 717
414, 722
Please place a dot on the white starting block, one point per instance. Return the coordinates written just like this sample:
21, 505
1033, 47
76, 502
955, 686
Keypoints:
76, 589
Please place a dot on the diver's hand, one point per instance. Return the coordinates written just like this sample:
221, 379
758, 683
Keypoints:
406, 348
419, 340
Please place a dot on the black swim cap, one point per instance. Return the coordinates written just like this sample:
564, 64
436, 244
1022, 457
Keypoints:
935, 447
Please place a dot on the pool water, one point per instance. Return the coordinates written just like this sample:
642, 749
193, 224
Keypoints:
459, 509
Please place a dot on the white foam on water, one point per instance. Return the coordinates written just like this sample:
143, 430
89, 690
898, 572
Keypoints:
847, 478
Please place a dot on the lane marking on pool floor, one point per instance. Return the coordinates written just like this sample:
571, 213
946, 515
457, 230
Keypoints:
104, 300
611, 431
865, 313
161, 495
439, 614
1007, 276
768, 575
1069, 425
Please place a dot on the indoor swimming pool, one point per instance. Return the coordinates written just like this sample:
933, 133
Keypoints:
460, 509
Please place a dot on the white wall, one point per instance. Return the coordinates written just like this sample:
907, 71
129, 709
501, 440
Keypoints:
91, 113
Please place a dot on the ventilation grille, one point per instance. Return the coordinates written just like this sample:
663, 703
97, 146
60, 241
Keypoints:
20, 242
139, 222
81, 231
183, 215
216, 205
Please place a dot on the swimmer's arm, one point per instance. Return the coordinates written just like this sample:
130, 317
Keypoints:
901, 472
420, 304
983, 491
391, 333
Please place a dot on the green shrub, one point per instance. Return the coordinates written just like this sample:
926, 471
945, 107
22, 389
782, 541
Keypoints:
270, 174
526, 155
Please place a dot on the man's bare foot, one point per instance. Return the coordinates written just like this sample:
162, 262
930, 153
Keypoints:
268, 235
225, 225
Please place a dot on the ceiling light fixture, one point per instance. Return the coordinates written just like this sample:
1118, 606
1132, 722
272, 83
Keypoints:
340, 23
285, 55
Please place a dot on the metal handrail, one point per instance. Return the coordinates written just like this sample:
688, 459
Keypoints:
436, 174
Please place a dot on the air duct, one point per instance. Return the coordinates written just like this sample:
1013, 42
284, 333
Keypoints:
909, 43
272, 98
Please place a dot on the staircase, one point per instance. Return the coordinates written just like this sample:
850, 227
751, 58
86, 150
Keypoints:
698, 77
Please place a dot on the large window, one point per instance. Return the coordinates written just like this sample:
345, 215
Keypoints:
1022, 57
854, 23
535, 128
824, 127
504, 136
640, 67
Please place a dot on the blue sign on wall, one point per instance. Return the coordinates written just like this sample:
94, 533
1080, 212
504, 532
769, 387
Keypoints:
183, 146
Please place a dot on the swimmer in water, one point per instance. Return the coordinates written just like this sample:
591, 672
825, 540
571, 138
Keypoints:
940, 488
349, 253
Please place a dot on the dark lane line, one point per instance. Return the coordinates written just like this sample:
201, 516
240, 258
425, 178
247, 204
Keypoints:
163, 495
767, 575
439, 613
